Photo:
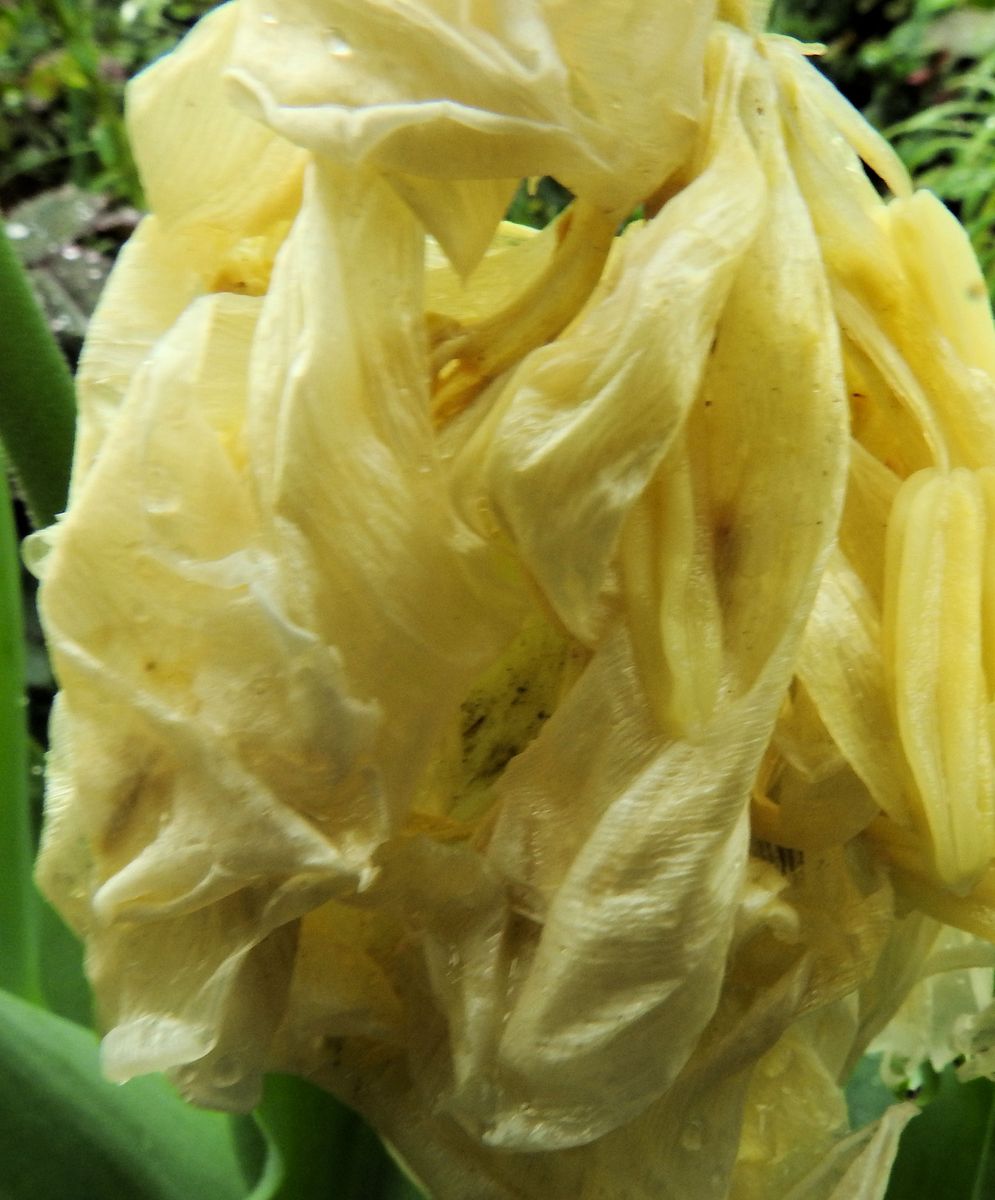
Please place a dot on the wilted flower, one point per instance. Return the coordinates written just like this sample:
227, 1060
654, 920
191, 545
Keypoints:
535, 685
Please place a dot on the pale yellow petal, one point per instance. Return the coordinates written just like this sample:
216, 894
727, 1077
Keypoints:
937, 254
671, 597
460, 214
842, 665
202, 162
371, 554
932, 640
863, 530
795, 1113
805, 87
767, 432
129, 319
203, 813
591, 415
859, 1167
529, 88
516, 258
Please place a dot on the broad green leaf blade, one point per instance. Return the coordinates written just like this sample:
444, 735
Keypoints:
18, 943
64, 988
260, 1156
37, 409
65, 1132
320, 1150
946, 1154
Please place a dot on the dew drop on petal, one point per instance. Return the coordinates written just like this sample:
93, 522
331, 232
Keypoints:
35, 550
226, 1071
336, 45
691, 1137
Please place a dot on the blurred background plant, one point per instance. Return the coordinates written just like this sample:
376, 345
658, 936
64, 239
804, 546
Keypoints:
63, 67
68, 185
923, 71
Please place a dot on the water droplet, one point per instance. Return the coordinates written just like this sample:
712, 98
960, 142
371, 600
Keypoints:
163, 506
60, 324
17, 231
71, 253
691, 1138
35, 549
269, 19
336, 45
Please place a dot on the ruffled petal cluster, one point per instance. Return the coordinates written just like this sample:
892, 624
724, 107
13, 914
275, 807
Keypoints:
536, 685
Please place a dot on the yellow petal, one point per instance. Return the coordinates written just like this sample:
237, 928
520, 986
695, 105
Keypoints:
128, 321
937, 254
573, 91
858, 1168
843, 668
591, 415
932, 640
201, 161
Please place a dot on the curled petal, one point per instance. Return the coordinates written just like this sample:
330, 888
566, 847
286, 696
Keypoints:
577, 91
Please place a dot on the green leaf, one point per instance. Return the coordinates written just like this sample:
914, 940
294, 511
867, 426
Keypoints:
321, 1150
37, 409
65, 1132
947, 1153
18, 959
64, 988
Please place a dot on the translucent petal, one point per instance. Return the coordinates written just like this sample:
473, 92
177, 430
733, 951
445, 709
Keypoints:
128, 321
202, 162
953, 987
527, 88
507, 681
858, 1168
591, 415
371, 554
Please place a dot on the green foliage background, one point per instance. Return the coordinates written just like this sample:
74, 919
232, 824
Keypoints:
922, 70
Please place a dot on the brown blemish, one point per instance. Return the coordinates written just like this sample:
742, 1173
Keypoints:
723, 542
